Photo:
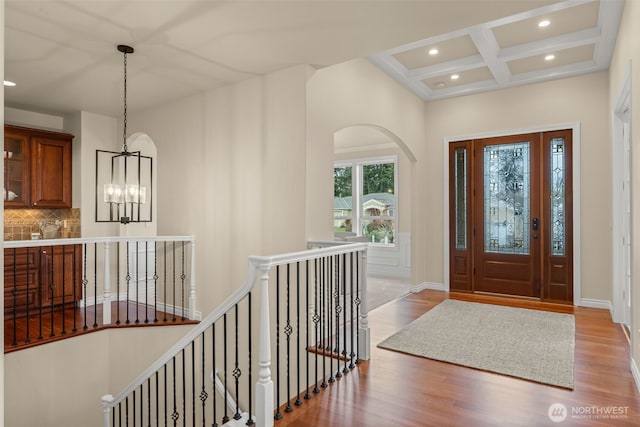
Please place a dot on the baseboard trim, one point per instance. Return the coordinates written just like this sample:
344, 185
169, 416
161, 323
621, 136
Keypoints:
428, 285
636, 374
596, 303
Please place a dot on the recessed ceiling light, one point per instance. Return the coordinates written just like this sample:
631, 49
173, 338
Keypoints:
550, 57
433, 51
544, 23
455, 76
439, 85
9, 83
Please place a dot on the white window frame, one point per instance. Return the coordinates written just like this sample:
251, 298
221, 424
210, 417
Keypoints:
357, 215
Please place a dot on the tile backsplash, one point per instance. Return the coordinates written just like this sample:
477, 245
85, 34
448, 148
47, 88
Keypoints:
20, 223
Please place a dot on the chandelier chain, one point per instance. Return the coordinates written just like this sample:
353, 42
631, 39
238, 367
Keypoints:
124, 129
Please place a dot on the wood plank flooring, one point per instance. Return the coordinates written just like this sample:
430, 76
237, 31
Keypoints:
394, 389
73, 321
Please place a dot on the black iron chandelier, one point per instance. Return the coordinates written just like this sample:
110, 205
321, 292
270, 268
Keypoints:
124, 179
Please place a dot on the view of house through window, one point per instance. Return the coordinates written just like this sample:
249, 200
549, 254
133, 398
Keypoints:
370, 210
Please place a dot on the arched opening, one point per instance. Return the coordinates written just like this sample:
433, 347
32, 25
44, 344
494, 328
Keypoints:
372, 203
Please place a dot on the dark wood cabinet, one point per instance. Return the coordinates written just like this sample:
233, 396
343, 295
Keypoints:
60, 274
20, 280
41, 277
37, 168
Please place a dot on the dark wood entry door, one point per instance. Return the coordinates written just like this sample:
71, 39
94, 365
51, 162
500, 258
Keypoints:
510, 216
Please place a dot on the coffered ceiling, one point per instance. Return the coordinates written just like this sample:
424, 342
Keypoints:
62, 53
549, 42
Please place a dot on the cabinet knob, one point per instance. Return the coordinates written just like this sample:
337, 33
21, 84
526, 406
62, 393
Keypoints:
35, 203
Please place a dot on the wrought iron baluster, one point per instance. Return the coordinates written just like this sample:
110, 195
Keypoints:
85, 282
203, 391
164, 315
307, 395
250, 421
52, 286
137, 282
95, 284
155, 282
174, 281
358, 301
316, 320
146, 281
336, 294
193, 383
278, 414
133, 405
15, 297
298, 400
141, 405
213, 364
323, 324
354, 318
75, 291
330, 295
175, 415
118, 283
126, 411
184, 389
128, 280
287, 331
166, 407
64, 277
344, 313
225, 418
28, 338
183, 276
236, 369
157, 398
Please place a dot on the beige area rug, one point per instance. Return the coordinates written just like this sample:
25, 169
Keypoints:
529, 344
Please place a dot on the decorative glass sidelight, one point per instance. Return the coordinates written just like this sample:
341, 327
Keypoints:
557, 168
507, 178
460, 171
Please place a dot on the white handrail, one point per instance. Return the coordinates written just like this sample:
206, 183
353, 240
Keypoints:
258, 267
81, 240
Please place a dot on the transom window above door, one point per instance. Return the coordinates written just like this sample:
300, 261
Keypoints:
371, 210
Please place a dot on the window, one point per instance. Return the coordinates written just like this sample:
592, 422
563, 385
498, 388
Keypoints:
371, 210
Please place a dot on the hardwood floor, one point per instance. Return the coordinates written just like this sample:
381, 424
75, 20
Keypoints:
394, 389
76, 321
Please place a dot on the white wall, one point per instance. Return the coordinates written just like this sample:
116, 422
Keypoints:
628, 49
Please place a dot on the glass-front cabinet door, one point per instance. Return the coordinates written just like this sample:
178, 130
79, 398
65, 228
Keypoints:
16, 169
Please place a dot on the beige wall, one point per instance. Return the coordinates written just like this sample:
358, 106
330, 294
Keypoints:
581, 99
628, 49
60, 384
357, 93
231, 171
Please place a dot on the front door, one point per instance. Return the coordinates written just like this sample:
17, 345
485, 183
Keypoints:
511, 200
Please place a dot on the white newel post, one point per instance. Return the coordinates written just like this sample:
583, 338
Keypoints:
264, 386
192, 293
106, 293
106, 400
364, 350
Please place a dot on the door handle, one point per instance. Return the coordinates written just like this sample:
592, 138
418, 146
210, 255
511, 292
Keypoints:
534, 224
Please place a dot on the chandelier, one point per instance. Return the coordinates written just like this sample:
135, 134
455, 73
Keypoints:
123, 178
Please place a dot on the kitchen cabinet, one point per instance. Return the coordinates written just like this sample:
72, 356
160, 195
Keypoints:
37, 168
41, 277
60, 274
20, 281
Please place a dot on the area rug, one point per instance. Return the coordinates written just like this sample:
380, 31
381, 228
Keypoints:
529, 344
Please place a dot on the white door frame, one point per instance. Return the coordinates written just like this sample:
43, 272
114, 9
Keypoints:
620, 167
575, 127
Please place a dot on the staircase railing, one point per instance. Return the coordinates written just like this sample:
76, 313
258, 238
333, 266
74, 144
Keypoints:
303, 313
58, 287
